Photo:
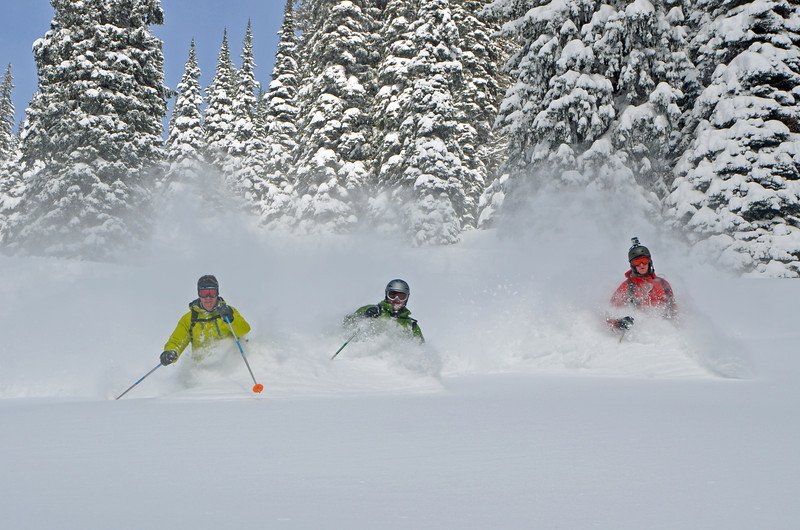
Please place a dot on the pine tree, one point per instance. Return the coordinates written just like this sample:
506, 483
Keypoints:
280, 108
596, 95
335, 154
578, 105
737, 189
12, 193
245, 139
634, 48
278, 114
12, 186
390, 107
421, 160
93, 130
7, 139
246, 96
245, 168
219, 115
530, 68
478, 101
11, 183
186, 142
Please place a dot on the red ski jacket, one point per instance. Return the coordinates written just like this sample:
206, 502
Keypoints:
648, 291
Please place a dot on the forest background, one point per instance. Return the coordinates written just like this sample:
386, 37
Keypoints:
423, 119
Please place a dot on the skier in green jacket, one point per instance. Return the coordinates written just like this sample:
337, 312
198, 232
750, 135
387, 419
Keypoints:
391, 308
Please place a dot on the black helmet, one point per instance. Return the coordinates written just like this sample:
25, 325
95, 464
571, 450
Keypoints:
398, 286
207, 282
637, 250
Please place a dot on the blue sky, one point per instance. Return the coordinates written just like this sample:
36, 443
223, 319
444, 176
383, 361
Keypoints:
24, 21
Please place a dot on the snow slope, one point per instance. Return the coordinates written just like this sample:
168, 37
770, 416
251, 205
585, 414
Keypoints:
521, 411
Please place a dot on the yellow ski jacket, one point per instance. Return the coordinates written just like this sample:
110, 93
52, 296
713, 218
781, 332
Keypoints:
202, 328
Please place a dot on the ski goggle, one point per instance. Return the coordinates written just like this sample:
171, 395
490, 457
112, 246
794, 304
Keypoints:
396, 296
207, 293
641, 260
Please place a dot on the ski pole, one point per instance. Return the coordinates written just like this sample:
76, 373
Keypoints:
343, 345
257, 387
139, 381
622, 336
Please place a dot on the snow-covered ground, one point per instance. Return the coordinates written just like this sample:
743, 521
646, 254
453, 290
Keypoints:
521, 411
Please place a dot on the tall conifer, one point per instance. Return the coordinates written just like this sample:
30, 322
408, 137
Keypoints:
278, 114
335, 155
7, 139
737, 190
93, 130
186, 142
478, 100
219, 116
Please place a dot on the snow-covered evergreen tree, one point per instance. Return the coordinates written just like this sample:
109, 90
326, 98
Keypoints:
12, 192
577, 108
248, 86
421, 167
335, 146
7, 140
247, 157
220, 118
478, 101
245, 139
11, 184
278, 115
681, 71
596, 94
530, 68
390, 104
12, 187
737, 189
634, 49
280, 107
93, 130
186, 141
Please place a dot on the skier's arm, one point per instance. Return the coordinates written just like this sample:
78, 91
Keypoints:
367, 311
670, 307
180, 338
417, 330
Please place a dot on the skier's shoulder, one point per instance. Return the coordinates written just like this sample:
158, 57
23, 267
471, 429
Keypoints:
660, 279
663, 281
623, 286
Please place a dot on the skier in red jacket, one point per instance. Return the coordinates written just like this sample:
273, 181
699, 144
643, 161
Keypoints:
642, 289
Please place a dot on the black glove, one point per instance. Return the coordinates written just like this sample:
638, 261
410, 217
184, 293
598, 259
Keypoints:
373, 312
225, 312
625, 323
168, 357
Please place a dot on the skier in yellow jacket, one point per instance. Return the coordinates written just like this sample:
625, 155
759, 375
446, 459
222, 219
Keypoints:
206, 324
